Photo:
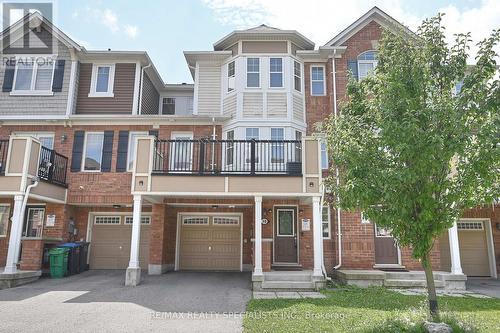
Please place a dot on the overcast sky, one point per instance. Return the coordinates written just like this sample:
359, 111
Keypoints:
166, 28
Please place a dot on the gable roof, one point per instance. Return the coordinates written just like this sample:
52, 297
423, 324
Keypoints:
374, 14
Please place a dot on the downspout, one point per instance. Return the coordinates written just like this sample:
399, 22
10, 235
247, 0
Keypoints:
141, 80
335, 112
213, 143
23, 206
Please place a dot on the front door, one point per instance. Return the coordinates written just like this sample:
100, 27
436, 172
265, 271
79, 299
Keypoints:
285, 235
386, 249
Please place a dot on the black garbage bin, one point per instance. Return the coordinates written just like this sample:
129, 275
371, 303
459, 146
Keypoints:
73, 257
84, 251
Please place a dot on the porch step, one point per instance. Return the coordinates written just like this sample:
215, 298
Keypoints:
287, 285
286, 267
409, 283
288, 276
411, 275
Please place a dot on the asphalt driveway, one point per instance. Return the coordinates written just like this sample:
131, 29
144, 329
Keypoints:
98, 301
486, 286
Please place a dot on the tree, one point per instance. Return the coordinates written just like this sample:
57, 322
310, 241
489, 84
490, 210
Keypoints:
412, 153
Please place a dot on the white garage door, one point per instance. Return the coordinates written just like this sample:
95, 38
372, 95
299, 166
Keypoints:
110, 242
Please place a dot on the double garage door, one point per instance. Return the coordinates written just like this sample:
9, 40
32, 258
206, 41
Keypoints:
210, 242
110, 242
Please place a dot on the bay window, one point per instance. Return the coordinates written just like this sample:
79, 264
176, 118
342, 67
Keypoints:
253, 72
276, 72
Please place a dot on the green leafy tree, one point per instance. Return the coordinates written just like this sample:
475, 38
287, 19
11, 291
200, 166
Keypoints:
413, 154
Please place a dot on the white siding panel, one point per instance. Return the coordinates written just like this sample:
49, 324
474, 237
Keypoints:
252, 104
298, 108
209, 88
229, 106
276, 105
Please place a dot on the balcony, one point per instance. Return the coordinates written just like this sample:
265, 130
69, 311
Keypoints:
227, 157
52, 167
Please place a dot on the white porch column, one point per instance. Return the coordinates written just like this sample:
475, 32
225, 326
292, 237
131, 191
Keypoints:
16, 230
456, 266
258, 237
133, 275
317, 238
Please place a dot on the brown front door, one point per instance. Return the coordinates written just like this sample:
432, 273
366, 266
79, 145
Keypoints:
285, 235
386, 250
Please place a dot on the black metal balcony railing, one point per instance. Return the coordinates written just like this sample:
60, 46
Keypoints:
226, 157
53, 166
4, 146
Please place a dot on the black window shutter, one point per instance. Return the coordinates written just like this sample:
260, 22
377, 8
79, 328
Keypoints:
57, 82
154, 132
8, 78
352, 66
121, 159
76, 157
107, 151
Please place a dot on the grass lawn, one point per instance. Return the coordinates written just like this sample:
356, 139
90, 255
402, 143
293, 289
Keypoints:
368, 310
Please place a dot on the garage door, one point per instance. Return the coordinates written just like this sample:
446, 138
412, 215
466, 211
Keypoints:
110, 242
210, 243
473, 248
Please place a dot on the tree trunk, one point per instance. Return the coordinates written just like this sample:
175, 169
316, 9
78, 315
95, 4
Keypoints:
431, 289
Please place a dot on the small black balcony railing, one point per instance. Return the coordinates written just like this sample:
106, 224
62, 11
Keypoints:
4, 146
53, 167
228, 157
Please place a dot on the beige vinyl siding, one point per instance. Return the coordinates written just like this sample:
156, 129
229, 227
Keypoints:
229, 106
123, 91
252, 104
209, 89
38, 105
298, 107
276, 105
150, 97
265, 47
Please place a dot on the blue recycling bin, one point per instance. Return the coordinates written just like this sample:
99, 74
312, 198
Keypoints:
73, 257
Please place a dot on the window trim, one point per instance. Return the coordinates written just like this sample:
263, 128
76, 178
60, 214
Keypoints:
260, 67
32, 91
323, 142
282, 73
84, 153
95, 217
162, 104
25, 222
276, 145
297, 76
130, 134
4, 235
147, 217
324, 79
231, 90
329, 222
93, 81
362, 61
278, 222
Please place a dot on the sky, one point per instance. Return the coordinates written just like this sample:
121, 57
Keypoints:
167, 28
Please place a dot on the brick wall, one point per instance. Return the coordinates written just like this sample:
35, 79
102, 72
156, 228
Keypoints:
31, 254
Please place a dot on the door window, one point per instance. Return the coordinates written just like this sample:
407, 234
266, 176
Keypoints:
181, 153
286, 222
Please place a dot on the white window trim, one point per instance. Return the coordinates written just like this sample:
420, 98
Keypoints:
111, 82
329, 216
282, 73
25, 220
364, 220
372, 62
143, 217
324, 79
259, 72
321, 154
229, 77
205, 218
32, 91
8, 219
110, 217
163, 98
84, 153
130, 135
297, 76
277, 144
233, 218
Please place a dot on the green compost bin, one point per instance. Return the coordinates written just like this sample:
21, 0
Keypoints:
58, 262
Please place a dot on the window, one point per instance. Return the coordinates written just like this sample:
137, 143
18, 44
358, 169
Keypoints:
168, 106
367, 62
107, 220
226, 221
458, 87
286, 222
103, 77
297, 76
34, 76
364, 219
202, 220
229, 147
298, 146
4, 219
46, 139
252, 133
382, 232
470, 225
131, 148
181, 152
277, 148
230, 76
276, 72
144, 219
93, 151
324, 155
325, 220
33, 222
318, 81
253, 72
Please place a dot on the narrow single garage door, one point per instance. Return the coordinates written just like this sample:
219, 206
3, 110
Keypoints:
210, 243
110, 242
473, 248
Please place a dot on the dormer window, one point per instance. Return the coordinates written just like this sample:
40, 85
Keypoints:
276, 72
253, 72
103, 77
367, 62
33, 77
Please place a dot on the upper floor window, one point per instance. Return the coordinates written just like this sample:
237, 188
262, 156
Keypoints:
92, 157
367, 62
276, 72
229, 147
277, 148
324, 155
253, 72
318, 81
102, 82
458, 87
297, 76
230, 76
168, 105
252, 133
33, 76
131, 148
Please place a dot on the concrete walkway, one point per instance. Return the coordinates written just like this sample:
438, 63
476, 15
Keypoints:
287, 294
485, 286
98, 301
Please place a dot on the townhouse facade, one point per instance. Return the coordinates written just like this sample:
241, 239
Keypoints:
221, 175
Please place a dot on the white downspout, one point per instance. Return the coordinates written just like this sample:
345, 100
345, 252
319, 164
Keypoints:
141, 83
335, 112
23, 207
213, 143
